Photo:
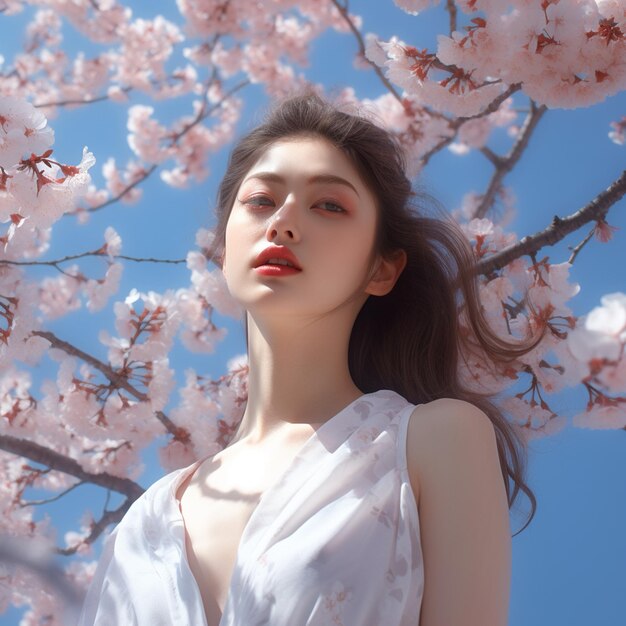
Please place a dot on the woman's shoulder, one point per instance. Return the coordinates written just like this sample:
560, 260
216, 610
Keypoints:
454, 463
443, 430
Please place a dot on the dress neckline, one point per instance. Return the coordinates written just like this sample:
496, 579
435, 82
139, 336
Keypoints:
305, 450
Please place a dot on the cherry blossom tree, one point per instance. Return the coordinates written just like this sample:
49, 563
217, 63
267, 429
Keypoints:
497, 62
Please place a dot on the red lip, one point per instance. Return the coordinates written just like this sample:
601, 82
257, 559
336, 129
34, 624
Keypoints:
277, 252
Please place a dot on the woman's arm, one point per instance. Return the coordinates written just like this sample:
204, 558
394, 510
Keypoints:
464, 516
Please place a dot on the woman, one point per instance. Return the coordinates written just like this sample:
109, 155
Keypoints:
364, 485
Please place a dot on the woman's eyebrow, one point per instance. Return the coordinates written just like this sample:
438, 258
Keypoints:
328, 179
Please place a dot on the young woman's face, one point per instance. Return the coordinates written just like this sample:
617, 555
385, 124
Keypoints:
304, 194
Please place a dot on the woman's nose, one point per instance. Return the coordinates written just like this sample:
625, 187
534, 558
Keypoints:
283, 224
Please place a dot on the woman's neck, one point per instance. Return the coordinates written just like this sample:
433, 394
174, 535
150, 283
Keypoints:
298, 375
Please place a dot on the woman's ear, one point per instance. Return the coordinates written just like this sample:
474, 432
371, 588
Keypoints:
386, 274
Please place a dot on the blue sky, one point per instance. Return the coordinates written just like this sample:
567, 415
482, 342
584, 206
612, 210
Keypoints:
569, 566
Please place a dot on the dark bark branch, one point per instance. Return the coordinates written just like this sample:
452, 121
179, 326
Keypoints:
503, 165
59, 462
35, 555
108, 517
455, 124
72, 257
493, 106
558, 229
451, 8
343, 10
117, 380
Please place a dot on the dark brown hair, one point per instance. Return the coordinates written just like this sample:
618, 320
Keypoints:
410, 340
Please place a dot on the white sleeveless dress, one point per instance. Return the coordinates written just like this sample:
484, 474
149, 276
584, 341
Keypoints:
334, 542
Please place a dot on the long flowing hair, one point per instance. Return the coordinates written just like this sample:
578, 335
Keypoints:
411, 340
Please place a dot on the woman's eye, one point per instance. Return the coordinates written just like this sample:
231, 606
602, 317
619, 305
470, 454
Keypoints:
259, 201
331, 206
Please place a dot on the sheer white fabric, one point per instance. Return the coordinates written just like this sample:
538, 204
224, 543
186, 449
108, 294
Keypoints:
335, 541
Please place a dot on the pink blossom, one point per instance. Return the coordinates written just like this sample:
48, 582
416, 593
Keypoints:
413, 7
146, 135
99, 291
175, 455
23, 130
603, 231
416, 129
44, 29
113, 242
199, 333
618, 134
59, 295
45, 204
475, 132
119, 182
211, 285
117, 94
533, 420
552, 289
611, 416
204, 238
161, 384
374, 51
602, 332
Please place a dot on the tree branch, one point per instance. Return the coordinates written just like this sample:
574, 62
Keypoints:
503, 165
62, 463
581, 245
62, 103
451, 8
108, 517
357, 33
72, 257
202, 115
118, 380
558, 229
35, 555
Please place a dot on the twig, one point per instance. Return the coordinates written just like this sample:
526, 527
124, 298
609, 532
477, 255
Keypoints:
346, 16
558, 229
62, 103
71, 257
202, 114
58, 496
580, 246
108, 517
119, 381
503, 165
451, 8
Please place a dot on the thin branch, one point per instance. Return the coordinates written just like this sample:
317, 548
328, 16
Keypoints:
58, 496
62, 463
122, 193
108, 517
558, 229
503, 165
72, 257
451, 8
455, 124
61, 103
493, 106
35, 555
580, 246
202, 114
117, 380
343, 10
